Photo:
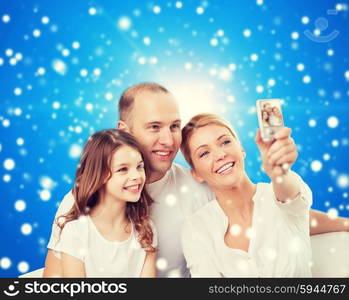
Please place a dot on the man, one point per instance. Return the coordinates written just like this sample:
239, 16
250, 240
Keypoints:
150, 113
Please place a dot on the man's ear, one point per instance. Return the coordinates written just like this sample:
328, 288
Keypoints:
123, 126
196, 176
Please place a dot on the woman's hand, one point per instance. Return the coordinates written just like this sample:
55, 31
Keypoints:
278, 156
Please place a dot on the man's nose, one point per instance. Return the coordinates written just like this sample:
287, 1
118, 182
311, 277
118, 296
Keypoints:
166, 137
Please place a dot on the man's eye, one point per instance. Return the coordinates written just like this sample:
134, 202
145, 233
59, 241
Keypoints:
204, 154
122, 170
175, 126
154, 127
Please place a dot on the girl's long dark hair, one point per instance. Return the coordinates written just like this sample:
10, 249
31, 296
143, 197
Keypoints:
93, 171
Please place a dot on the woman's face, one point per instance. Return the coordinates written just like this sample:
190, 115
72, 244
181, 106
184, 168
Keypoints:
217, 156
276, 112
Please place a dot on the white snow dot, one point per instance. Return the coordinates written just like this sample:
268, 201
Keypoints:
295, 35
45, 20
225, 74
153, 60
75, 151
343, 181
9, 52
306, 79
59, 66
41, 71
312, 123
271, 82
23, 267
92, 11
171, 200
156, 9
19, 56
332, 213
6, 178
146, 41
259, 89
188, 66
316, 165
124, 23
254, 57
300, 67
56, 105
17, 91
6, 123
76, 45
259, 2
141, 60
9, 164
247, 33
46, 182
20, 141
214, 42
235, 230
65, 52
161, 263
332, 122
97, 72
330, 52
179, 4
231, 98
199, 10
335, 143
45, 195
83, 72
108, 96
36, 33
1, 61
20, 205
346, 75
326, 156
5, 263
232, 67
305, 20
6, 18
89, 106
26, 229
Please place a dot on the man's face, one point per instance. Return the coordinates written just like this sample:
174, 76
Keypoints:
155, 123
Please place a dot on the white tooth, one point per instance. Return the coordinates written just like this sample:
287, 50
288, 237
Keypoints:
133, 187
162, 153
225, 167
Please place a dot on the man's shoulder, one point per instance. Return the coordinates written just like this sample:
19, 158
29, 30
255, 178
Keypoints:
202, 215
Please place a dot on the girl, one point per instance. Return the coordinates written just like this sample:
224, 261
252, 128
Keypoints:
248, 230
108, 233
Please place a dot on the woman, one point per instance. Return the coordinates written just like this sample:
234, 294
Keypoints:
248, 230
108, 233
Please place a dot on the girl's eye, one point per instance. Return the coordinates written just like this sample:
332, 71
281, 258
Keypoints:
124, 169
140, 166
204, 154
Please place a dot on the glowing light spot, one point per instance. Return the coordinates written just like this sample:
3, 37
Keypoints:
26, 229
36, 33
332, 122
161, 263
56, 105
83, 72
6, 18
156, 9
214, 42
5, 263
46, 182
20, 141
124, 23
254, 57
20, 205
316, 165
76, 45
271, 82
171, 200
235, 230
45, 195
330, 52
200, 10
179, 4
247, 33
141, 60
335, 143
108, 96
326, 156
6, 123
59, 66
23, 267
332, 213
9, 164
65, 52
45, 20
75, 151
306, 79
343, 181
188, 66
17, 91
300, 67
92, 11
259, 89
312, 123
147, 41
305, 20
9, 52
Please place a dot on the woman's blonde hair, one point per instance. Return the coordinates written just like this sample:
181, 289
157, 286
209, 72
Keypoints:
197, 122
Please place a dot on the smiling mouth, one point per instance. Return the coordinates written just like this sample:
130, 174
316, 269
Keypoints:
163, 155
225, 168
133, 188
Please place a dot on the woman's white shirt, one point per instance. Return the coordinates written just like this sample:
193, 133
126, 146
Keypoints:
279, 240
102, 258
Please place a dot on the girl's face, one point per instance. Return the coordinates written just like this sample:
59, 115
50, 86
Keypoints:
127, 175
265, 115
217, 156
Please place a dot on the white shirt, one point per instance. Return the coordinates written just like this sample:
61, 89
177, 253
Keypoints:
102, 258
176, 195
279, 244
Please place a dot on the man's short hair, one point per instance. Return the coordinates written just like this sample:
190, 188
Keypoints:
128, 96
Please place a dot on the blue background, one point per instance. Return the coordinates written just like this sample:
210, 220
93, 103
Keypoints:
198, 50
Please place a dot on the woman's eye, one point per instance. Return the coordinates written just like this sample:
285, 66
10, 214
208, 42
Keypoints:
122, 170
204, 154
226, 142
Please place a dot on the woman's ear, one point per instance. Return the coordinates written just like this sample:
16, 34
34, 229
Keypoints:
123, 126
243, 153
196, 176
